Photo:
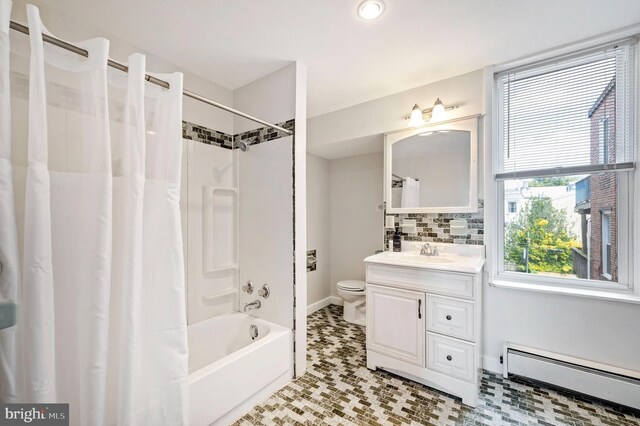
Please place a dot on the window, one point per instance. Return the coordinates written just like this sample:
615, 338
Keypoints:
606, 244
564, 156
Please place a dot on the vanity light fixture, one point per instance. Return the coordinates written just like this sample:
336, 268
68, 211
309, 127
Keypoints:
437, 113
370, 9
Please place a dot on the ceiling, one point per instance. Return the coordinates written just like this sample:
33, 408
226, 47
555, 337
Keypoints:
349, 61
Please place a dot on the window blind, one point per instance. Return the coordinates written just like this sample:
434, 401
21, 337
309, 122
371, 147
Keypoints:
550, 113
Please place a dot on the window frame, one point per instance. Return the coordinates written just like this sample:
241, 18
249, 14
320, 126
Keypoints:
606, 266
628, 187
515, 207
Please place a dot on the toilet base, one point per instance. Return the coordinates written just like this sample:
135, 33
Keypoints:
355, 312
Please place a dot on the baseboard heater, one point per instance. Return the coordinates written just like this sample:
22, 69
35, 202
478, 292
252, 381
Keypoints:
587, 377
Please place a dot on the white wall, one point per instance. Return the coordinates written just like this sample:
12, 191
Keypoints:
300, 175
209, 223
591, 329
362, 124
356, 222
278, 97
271, 98
266, 228
266, 196
318, 227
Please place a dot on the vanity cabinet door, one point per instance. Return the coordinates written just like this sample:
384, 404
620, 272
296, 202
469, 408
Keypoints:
396, 323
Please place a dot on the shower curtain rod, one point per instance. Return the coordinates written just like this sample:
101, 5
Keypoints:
151, 79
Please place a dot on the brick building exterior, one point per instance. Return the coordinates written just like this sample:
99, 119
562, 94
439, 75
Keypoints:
604, 188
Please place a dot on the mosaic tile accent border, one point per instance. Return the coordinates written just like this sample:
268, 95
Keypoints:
312, 260
213, 137
435, 227
206, 135
264, 134
290, 125
338, 389
397, 183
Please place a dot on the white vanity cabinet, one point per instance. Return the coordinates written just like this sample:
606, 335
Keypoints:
396, 326
424, 320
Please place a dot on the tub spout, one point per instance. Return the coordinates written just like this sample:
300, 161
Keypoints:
252, 305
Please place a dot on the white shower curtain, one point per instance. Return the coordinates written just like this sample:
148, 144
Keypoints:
95, 197
410, 192
8, 239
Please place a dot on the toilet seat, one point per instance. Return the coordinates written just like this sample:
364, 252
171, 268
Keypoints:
351, 285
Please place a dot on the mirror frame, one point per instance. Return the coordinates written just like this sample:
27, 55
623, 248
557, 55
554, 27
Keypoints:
469, 124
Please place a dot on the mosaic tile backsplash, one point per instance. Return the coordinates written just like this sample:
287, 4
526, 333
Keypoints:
435, 227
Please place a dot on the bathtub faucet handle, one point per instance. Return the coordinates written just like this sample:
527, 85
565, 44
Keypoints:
264, 291
248, 288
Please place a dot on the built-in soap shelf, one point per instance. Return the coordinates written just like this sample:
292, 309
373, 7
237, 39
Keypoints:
409, 226
220, 295
222, 188
223, 268
219, 228
458, 227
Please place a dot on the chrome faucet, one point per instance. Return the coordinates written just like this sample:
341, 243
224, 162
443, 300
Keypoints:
427, 250
252, 305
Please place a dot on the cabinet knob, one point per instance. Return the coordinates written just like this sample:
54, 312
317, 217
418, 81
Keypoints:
448, 317
449, 357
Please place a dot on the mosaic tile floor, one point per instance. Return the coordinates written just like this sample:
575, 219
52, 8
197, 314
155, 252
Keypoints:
338, 389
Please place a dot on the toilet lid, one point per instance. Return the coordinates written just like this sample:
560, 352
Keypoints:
354, 285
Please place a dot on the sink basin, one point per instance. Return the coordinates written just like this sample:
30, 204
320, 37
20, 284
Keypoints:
427, 259
413, 259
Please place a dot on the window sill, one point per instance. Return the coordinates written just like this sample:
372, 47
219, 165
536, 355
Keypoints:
627, 296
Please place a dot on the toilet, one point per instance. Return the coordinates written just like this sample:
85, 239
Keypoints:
354, 296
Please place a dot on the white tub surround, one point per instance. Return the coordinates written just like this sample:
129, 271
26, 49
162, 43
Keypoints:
424, 316
229, 372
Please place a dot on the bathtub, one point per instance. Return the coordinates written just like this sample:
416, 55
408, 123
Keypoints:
229, 372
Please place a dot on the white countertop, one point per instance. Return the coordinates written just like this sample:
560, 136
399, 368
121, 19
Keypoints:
442, 262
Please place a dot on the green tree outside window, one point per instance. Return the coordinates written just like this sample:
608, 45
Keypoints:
539, 240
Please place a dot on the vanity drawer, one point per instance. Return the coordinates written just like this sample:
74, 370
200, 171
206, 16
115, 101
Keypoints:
447, 283
451, 356
451, 316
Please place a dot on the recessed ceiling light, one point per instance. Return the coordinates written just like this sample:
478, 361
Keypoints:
370, 9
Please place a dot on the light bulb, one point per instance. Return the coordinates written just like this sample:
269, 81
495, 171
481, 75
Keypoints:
438, 113
416, 119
